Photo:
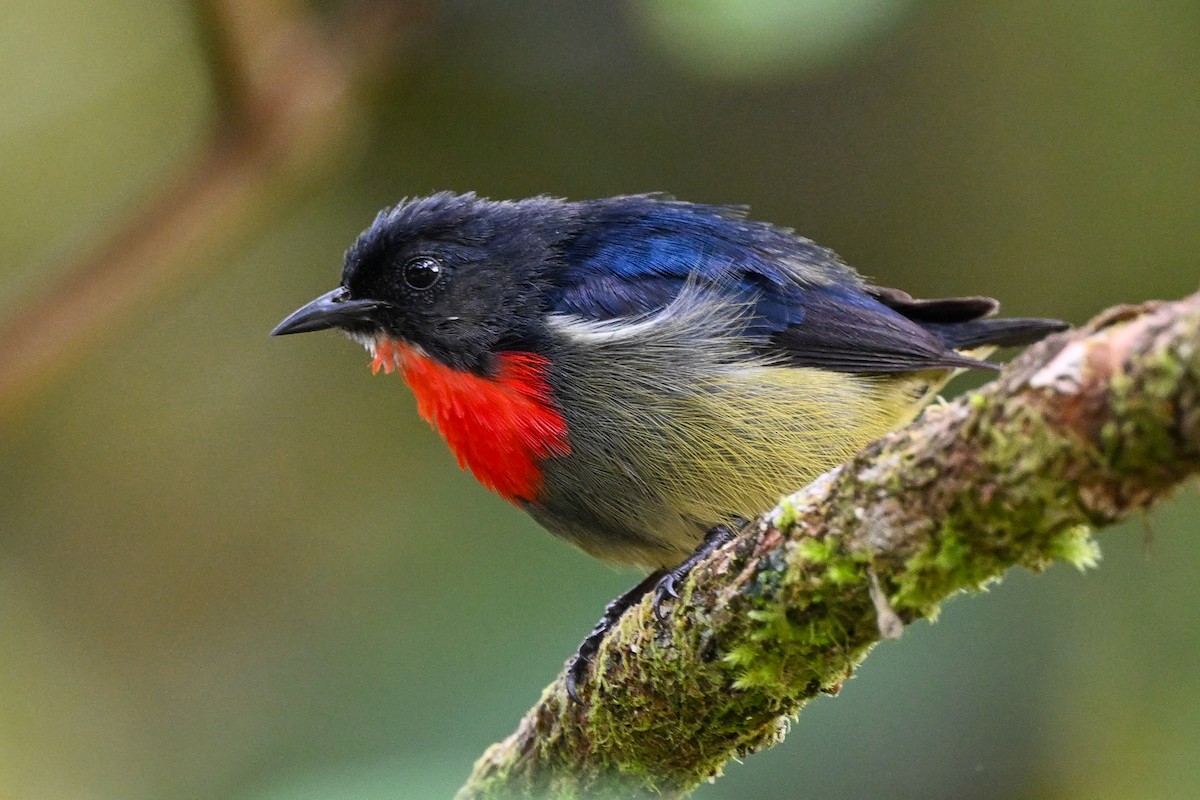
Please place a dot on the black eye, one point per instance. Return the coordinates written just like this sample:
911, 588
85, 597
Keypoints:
422, 272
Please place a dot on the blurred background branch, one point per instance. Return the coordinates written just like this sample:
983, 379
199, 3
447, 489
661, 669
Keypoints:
285, 83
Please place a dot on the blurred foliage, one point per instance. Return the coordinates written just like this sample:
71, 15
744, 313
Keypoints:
745, 39
101, 100
238, 567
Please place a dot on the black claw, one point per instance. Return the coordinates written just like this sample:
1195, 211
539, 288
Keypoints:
576, 671
668, 585
664, 584
577, 667
665, 588
571, 680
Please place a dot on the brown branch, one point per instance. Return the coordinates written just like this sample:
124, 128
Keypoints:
284, 87
1081, 431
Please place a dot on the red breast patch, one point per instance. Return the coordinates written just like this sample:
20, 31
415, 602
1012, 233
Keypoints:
500, 427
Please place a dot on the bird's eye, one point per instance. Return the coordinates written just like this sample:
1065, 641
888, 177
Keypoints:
422, 272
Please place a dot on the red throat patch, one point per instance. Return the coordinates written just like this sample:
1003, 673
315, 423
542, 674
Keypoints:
500, 427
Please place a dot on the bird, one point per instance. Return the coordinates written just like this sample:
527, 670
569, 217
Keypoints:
639, 373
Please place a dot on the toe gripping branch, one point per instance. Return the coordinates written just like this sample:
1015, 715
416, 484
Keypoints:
664, 583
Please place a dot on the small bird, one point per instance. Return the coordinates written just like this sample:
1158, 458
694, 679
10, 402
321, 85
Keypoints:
637, 372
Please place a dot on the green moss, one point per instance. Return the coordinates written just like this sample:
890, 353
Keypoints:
1034, 531
844, 571
787, 515
815, 551
808, 646
1077, 547
741, 656
932, 574
1140, 437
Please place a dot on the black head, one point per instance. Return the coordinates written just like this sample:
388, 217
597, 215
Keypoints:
459, 276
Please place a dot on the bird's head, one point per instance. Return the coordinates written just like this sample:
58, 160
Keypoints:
457, 277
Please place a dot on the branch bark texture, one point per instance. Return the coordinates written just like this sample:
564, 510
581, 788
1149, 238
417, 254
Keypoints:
1079, 432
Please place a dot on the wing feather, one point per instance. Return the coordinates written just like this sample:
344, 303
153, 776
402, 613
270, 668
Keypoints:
806, 307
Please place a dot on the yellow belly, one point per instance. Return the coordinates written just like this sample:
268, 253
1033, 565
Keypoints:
653, 468
755, 436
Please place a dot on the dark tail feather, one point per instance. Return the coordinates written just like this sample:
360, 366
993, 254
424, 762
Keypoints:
960, 321
942, 310
1011, 332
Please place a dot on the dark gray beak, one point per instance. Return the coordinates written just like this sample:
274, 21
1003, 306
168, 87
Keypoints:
330, 310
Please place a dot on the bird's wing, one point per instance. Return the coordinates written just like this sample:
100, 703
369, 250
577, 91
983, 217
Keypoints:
850, 331
806, 308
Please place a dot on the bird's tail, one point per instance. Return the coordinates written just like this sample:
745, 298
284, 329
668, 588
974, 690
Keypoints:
962, 322
1010, 332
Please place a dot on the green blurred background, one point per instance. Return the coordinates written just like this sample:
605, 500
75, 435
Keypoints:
236, 567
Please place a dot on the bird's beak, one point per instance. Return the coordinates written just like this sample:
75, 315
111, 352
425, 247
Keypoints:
330, 310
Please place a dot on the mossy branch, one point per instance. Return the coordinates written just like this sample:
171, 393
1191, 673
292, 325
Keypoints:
1080, 431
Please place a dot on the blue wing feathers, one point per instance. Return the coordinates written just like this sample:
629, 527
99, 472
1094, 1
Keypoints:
635, 254
655, 246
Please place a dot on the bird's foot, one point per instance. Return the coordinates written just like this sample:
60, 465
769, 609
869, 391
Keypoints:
667, 585
664, 583
578, 666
